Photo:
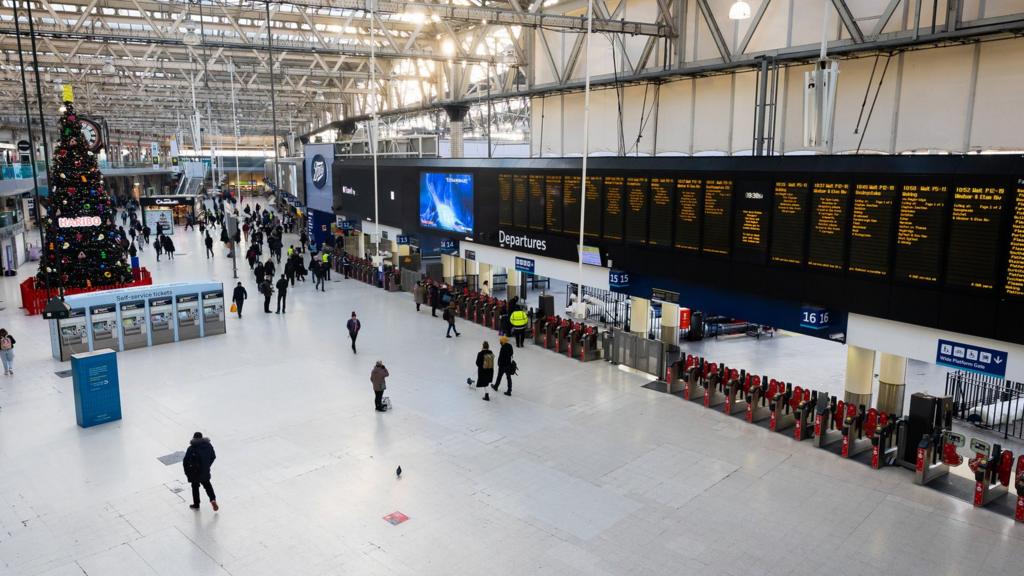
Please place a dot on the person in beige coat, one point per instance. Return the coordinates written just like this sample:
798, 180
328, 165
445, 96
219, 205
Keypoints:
377, 376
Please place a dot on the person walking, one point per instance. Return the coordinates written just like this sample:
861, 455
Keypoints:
132, 251
433, 295
209, 246
353, 325
419, 294
325, 264
485, 290
269, 268
158, 245
377, 377
449, 316
145, 233
267, 289
318, 275
519, 321
282, 295
506, 366
260, 272
7, 343
289, 269
198, 460
169, 247
484, 366
238, 297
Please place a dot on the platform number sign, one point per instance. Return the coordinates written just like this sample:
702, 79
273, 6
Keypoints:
618, 279
815, 317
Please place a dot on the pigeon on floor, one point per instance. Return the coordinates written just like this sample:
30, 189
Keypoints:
469, 381
398, 472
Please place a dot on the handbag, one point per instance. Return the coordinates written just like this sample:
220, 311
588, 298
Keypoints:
234, 308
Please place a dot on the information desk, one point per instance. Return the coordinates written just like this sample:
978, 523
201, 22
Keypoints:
135, 317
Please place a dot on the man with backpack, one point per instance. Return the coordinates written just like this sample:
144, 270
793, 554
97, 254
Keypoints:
197, 463
267, 289
354, 325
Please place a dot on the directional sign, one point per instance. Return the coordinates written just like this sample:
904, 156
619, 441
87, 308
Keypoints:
525, 265
972, 358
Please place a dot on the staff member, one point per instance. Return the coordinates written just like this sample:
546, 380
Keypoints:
519, 321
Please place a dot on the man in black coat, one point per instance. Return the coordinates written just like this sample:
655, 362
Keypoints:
209, 245
282, 294
238, 297
197, 462
504, 366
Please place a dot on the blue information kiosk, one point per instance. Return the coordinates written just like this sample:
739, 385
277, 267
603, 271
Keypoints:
97, 389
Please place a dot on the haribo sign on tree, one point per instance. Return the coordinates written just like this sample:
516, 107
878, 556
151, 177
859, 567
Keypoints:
83, 243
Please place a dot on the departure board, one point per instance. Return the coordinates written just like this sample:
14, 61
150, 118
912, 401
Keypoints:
553, 203
592, 216
689, 192
974, 236
505, 199
753, 209
614, 188
871, 228
920, 227
789, 218
637, 206
520, 201
828, 225
1015, 264
571, 204
536, 201
660, 228
717, 216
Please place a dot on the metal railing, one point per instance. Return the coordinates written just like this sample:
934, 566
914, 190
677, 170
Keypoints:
987, 402
605, 306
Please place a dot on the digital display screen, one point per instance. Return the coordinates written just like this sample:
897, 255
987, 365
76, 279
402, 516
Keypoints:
717, 215
520, 201
636, 209
614, 187
537, 202
505, 200
446, 201
660, 229
591, 255
689, 192
571, 204
871, 228
753, 208
828, 225
1015, 264
974, 236
920, 227
789, 217
553, 203
592, 216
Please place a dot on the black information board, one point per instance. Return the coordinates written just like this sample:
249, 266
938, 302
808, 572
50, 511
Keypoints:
871, 228
753, 210
789, 220
592, 216
717, 216
974, 236
920, 228
571, 203
520, 201
553, 203
536, 202
614, 190
637, 206
1015, 262
689, 194
660, 229
505, 200
828, 225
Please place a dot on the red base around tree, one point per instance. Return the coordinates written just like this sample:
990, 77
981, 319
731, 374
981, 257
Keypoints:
33, 298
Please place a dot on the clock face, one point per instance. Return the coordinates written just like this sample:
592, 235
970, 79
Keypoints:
91, 133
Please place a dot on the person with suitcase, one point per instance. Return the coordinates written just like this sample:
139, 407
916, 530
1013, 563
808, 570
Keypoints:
377, 378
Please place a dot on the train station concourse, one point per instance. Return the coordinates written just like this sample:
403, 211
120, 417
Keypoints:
511, 287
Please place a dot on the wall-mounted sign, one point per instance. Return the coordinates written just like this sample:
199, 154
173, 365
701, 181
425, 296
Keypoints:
618, 279
79, 222
525, 265
448, 245
815, 317
24, 146
470, 254
402, 239
523, 241
664, 295
972, 358
319, 168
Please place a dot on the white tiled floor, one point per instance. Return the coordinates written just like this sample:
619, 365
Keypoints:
581, 472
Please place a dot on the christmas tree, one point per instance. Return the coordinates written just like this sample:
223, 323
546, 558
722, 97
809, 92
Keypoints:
83, 243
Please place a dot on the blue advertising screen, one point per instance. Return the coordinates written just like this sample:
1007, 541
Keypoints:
446, 201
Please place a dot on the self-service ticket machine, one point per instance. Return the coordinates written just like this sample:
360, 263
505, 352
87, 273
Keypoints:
993, 468
188, 316
161, 320
74, 336
103, 322
213, 313
134, 332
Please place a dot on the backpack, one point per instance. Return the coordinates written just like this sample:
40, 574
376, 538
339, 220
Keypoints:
488, 362
447, 314
5, 343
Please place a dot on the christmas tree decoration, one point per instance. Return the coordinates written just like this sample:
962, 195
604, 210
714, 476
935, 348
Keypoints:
79, 208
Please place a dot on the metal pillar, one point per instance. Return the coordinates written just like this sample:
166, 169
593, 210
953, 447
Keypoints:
456, 114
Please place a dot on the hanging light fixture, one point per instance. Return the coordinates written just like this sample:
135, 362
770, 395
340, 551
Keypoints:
108, 67
320, 96
740, 10
192, 39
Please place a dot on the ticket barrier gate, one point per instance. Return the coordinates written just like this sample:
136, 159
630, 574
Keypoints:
467, 304
538, 329
675, 373
487, 310
828, 422
550, 329
696, 373
714, 393
805, 413
496, 312
858, 426
1019, 484
759, 401
883, 446
562, 336
782, 417
573, 338
737, 391
992, 467
586, 345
